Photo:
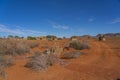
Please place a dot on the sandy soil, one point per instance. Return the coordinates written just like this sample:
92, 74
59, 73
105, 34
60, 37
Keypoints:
100, 62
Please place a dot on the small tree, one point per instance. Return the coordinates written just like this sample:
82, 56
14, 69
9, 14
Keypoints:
51, 37
10, 36
31, 38
17, 37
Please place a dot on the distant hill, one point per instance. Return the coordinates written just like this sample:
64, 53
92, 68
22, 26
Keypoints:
110, 35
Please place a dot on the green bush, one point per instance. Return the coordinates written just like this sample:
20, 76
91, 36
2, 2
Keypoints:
31, 38
59, 38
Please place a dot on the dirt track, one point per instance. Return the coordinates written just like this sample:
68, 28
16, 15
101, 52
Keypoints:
98, 63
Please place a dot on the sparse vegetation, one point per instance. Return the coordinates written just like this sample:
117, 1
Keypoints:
59, 38
41, 61
4, 63
57, 50
31, 38
72, 54
79, 45
13, 47
14, 37
32, 44
51, 36
3, 74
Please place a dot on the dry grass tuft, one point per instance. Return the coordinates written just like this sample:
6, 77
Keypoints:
71, 55
13, 47
5, 63
33, 44
79, 45
43, 61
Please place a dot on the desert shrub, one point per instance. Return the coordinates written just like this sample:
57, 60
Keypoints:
38, 62
3, 74
51, 36
37, 52
13, 47
79, 45
71, 55
33, 44
59, 38
43, 61
45, 46
22, 48
4, 63
56, 50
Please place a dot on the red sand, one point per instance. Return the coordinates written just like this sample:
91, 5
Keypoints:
101, 62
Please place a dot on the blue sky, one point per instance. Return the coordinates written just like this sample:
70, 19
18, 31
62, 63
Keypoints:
59, 17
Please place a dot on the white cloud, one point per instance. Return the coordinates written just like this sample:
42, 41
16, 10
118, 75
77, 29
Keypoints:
117, 20
91, 19
59, 26
33, 32
5, 29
